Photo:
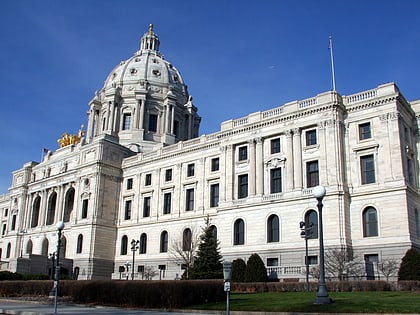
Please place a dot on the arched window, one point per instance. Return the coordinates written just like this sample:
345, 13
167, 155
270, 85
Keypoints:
29, 247
63, 247
370, 222
311, 224
417, 216
79, 246
143, 243
124, 245
44, 248
164, 242
214, 231
52, 201
68, 204
35, 211
239, 232
186, 240
8, 250
273, 229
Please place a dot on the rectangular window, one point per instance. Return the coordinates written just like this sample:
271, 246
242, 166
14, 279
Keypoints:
364, 131
148, 180
312, 260
214, 195
152, 123
275, 180
168, 175
215, 164
189, 200
126, 121
311, 137
127, 210
3, 230
312, 174
242, 186
85, 203
146, 206
167, 200
129, 183
190, 170
243, 153
13, 223
275, 145
367, 168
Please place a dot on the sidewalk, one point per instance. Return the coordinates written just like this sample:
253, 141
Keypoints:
9, 306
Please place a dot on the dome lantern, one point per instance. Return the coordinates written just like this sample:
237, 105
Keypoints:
150, 41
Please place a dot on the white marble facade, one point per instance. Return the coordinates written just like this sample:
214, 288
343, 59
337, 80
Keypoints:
142, 172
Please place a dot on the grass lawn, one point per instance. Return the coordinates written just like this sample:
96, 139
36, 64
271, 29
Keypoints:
343, 302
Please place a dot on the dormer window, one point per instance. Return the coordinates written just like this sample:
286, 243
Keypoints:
156, 72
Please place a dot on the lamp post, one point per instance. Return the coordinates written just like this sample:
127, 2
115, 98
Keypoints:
306, 233
127, 267
134, 247
322, 297
60, 227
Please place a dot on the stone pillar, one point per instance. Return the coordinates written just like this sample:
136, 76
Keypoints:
297, 158
229, 180
222, 166
172, 118
289, 161
141, 105
259, 172
252, 178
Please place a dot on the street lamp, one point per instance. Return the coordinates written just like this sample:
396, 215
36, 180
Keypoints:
306, 233
134, 247
322, 297
127, 267
60, 227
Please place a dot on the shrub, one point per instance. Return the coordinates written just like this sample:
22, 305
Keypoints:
238, 270
410, 266
255, 270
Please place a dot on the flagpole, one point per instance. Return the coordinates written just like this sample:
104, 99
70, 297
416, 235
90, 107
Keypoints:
332, 63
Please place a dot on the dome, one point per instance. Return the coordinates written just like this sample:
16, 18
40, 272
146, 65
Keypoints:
146, 67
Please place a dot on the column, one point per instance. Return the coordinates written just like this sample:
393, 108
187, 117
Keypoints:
172, 118
297, 158
259, 167
222, 166
252, 179
229, 172
141, 105
289, 161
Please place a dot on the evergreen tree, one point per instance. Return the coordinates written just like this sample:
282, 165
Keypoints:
410, 266
238, 270
208, 260
255, 269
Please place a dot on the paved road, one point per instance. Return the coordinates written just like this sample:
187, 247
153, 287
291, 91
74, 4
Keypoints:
36, 308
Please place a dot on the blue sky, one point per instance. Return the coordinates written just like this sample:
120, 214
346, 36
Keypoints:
237, 57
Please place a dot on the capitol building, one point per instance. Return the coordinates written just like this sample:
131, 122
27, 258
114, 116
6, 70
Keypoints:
141, 171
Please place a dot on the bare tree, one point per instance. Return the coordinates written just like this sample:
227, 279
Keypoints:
341, 263
314, 272
182, 250
388, 268
149, 273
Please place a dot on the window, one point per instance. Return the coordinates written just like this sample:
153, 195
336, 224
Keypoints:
214, 195
13, 226
85, 203
312, 174
239, 232
417, 218
215, 164
311, 224
370, 222
186, 240
242, 186
168, 175
275, 145
275, 180
129, 183
124, 245
68, 204
273, 229
35, 211
364, 131
127, 210
126, 121
243, 153
367, 168
153, 123
146, 206
8, 250
189, 202
143, 243
410, 171
52, 201
167, 199
214, 232
311, 137
164, 242
312, 260
148, 180
79, 244
190, 170
3, 230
